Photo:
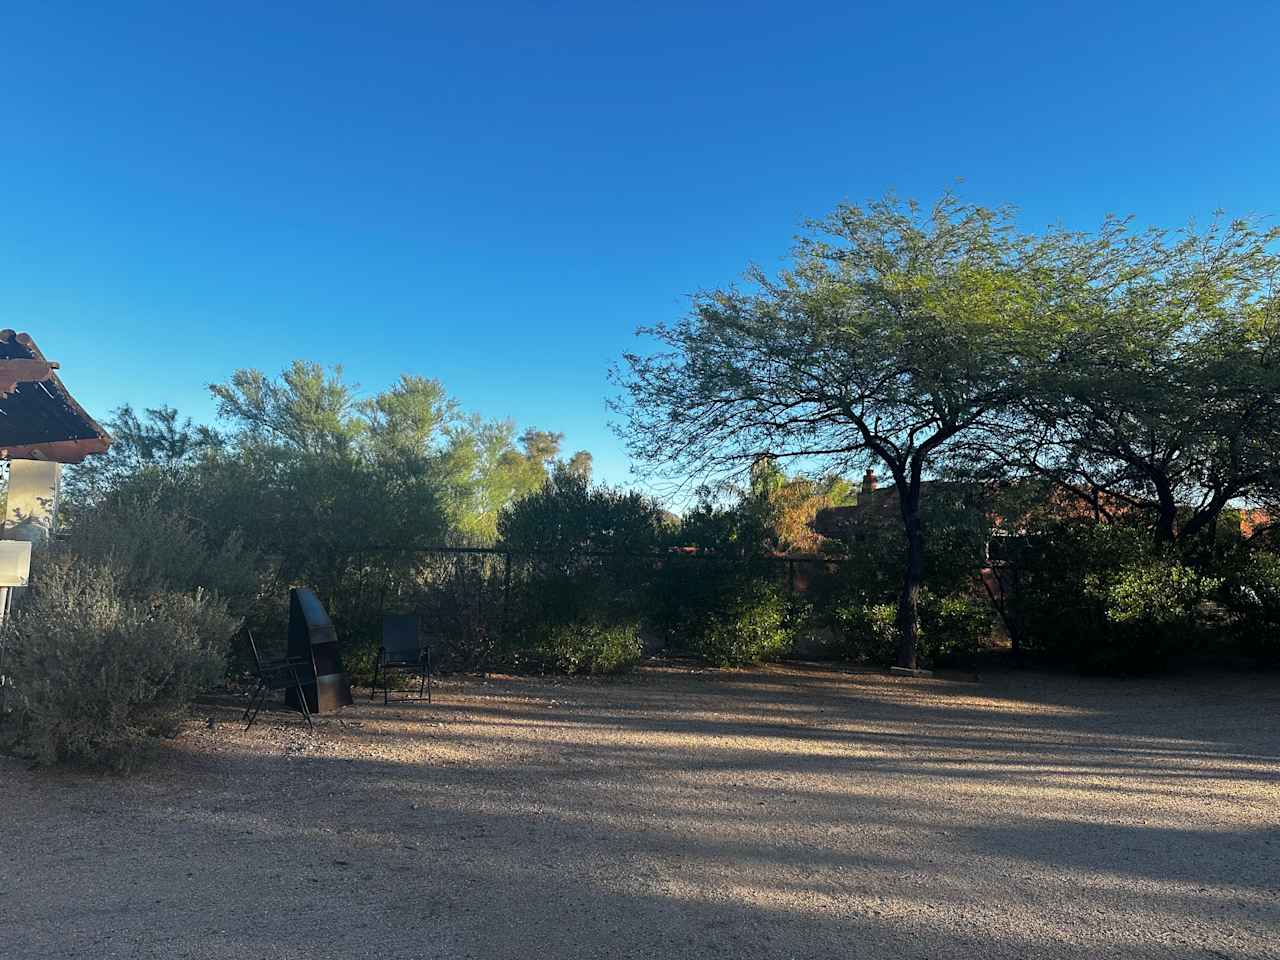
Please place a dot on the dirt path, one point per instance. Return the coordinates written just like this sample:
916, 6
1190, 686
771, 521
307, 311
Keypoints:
781, 813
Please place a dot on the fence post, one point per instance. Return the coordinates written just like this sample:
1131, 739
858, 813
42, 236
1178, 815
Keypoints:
506, 593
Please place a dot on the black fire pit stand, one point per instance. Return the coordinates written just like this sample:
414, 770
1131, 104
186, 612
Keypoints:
313, 639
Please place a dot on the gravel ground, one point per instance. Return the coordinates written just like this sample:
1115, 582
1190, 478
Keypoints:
791, 812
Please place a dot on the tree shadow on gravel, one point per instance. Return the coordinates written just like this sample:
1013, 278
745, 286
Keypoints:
779, 815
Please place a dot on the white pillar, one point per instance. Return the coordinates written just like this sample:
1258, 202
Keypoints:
33, 500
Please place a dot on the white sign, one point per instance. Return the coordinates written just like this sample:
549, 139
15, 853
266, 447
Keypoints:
15, 562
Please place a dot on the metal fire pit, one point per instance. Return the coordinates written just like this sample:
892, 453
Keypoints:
313, 639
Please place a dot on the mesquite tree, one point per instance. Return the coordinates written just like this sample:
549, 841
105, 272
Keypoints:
898, 335
1161, 397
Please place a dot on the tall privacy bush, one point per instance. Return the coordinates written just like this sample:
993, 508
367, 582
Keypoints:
1105, 597
953, 630
585, 559
1252, 595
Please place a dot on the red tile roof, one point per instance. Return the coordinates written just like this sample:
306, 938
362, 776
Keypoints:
39, 419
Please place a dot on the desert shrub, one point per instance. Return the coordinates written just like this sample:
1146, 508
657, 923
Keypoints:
583, 618
147, 533
96, 674
1104, 597
590, 647
152, 546
1251, 592
581, 575
747, 622
867, 632
953, 629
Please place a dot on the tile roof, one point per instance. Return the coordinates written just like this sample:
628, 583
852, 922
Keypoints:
39, 419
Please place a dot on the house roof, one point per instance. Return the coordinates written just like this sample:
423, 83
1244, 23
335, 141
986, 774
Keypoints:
879, 505
39, 419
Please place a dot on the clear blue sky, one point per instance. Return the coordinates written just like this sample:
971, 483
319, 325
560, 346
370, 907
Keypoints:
497, 195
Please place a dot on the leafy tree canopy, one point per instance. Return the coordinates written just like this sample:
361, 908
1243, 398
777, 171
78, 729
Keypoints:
897, 336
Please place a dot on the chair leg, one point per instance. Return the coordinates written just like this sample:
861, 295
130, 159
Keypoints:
256, 704
306, 710
302, 697
422, 686
253, 696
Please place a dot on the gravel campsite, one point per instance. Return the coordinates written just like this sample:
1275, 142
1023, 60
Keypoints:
783, 812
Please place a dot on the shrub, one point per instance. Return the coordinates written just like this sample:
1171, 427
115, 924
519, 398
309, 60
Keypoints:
591, 647
152, 547
1150, 613
96, 674
749, 623
953, 628
1252, 595
1104, 597
868, 631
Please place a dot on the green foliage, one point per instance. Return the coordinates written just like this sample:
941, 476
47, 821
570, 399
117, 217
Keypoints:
899, 336
590, 646
585, 569
152, 548
307, 407
317, 485
159, 440
96, 673
740, 621
956, 524
1252, 594
412, 431
569, 516
1104, 596
1157, 382
868, 632
126, 620
953, 629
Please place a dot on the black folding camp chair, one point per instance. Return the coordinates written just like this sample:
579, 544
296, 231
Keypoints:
283, 673
404, 652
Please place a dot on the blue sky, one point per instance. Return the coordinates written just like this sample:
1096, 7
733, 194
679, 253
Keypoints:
497, 195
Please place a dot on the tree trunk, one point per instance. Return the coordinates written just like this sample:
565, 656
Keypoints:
1168, 515
1205, 519
909, 601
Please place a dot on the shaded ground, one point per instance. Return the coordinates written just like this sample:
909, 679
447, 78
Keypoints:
782, 813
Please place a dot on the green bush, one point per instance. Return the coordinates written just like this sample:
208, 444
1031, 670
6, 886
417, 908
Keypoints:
1252, 595
1149, 612
1104, 597
95, 674
749, 623
868, 632
152, 547
953, 629
591, 647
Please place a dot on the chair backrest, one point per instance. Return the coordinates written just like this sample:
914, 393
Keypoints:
400, 636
